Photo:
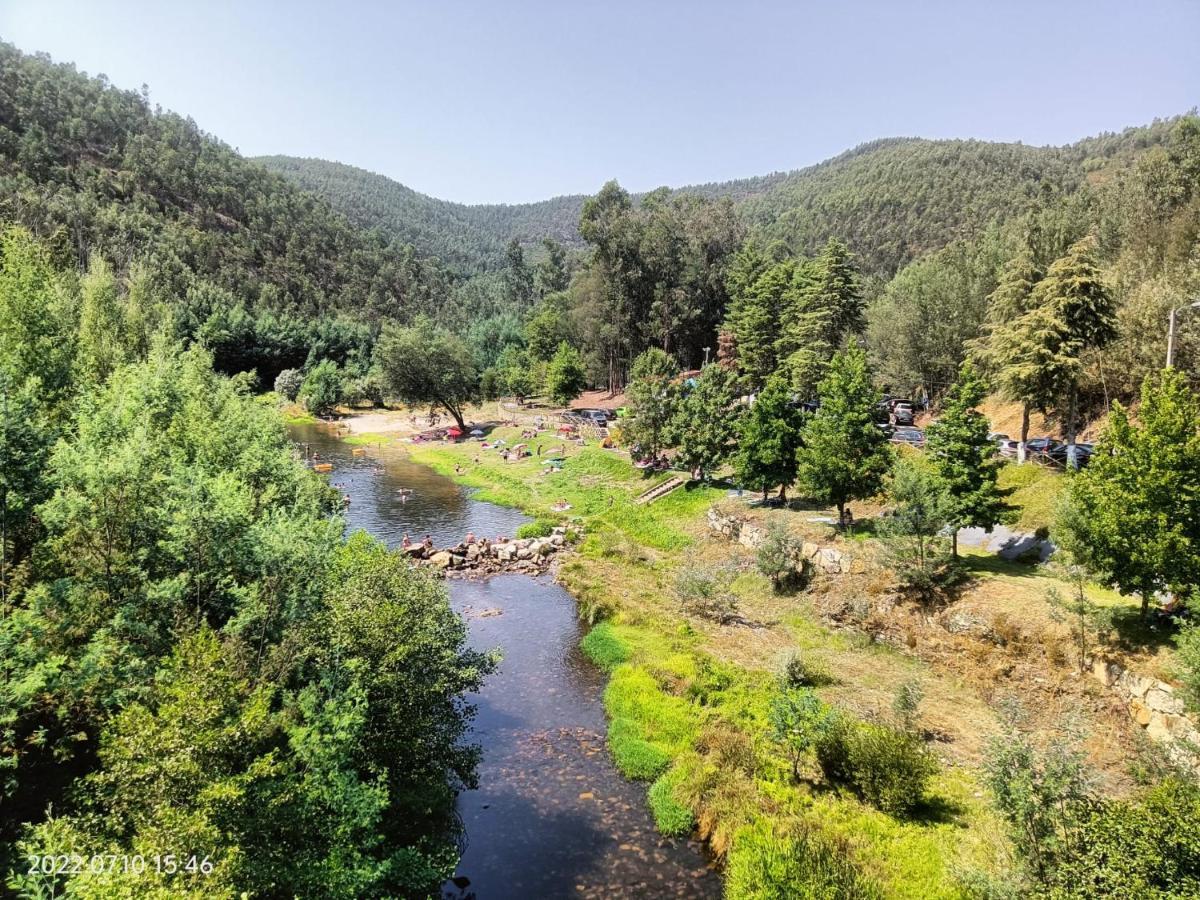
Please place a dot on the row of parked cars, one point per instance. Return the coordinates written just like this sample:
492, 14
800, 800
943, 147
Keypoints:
1045, 449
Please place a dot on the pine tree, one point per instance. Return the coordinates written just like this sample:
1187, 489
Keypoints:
704, 425
844, 456
823, 305
964, 458
1132, 517
754, 321
1004, 349
769, 440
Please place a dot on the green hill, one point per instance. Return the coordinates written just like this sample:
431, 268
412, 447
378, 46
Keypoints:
891, 200
91, 168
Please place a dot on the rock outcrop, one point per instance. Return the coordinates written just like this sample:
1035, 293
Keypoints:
829, 560
1154, 705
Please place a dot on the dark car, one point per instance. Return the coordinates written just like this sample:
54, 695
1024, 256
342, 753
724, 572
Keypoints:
906, 434
1045, 445
1083, 454
595, 416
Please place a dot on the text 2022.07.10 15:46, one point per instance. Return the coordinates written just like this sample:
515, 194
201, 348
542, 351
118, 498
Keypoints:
132, 863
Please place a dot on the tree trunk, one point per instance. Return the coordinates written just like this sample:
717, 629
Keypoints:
1024, 433
954, 542
1071, 428
457, 415
1145, 605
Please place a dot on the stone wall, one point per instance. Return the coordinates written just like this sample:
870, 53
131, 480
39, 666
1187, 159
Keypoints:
829, 560
1154, 705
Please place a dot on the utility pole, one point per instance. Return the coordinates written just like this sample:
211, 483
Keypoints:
1195, 304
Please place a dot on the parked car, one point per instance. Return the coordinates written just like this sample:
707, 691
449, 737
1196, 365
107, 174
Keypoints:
906, 434
1007, 447
1083, 454
902, 414
595, 416
998, 436
1042, 445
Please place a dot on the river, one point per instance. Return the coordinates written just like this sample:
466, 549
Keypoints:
551, 817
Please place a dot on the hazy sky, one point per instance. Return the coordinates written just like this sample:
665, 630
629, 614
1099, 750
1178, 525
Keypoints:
514, 101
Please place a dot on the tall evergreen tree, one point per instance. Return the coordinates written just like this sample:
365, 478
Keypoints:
101, 323
704, 425
965, 459
768, 440
845, 455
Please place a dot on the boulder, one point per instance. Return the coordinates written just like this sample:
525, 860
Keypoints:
1162, 699
830, 561
443, 559
1140, 712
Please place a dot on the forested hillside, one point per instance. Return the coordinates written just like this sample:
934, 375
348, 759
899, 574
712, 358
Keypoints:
93, 169
890, 200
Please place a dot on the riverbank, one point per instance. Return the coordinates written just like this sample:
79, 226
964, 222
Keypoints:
688, 699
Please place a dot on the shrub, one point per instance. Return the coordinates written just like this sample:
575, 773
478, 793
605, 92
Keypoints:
766, 864
796, 671
322, 388
780, 558
887, 767
288, 383
672, 817
1187, 645
1148, 846
604, 647
705, 593
538, 529
906, 703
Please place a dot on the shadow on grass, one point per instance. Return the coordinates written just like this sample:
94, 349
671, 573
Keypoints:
990, 564
1135, 634
938, 810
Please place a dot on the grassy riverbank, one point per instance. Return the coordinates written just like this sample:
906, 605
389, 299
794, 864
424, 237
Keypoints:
688, 699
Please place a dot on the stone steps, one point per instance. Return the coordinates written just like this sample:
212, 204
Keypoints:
660, 490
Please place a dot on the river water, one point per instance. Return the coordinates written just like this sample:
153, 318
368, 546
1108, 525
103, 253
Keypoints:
551, 817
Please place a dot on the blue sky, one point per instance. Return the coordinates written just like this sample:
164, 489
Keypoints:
517, 101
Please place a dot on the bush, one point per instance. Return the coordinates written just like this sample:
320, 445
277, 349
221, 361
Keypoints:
538, 529
887, 767
766, 864
604, 647
705, 593
672, 817
890, 767
796, 672
1145, 847
322, 388
780, 557
1187, 645
288, 383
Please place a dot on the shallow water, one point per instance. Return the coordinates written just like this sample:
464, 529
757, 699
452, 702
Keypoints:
551, 817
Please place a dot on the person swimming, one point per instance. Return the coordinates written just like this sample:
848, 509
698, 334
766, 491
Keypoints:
406, 541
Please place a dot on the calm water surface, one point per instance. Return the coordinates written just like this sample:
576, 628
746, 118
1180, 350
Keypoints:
551, 817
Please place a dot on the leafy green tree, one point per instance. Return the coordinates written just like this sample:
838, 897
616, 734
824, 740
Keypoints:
653, 399
779, 557
769, 437
565, 375
548, 325
551, 276
705, 423
515, 374
844, 455
423, 363
288, 383
799, 720
323, 387
25, 441
1133, 516
965, 459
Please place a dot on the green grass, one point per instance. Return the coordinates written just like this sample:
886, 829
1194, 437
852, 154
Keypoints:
649, 727
672, 817
605, 647
369, 438
1035, 492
